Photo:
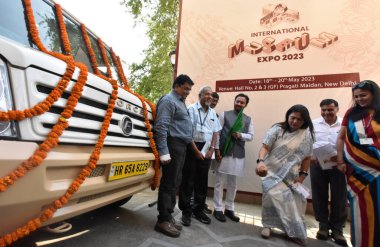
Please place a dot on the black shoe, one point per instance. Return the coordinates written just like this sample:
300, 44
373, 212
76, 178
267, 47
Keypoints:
219, 216
202, 217
186, 220
323, 233
230, 214
167, 228
338, 238
206, 210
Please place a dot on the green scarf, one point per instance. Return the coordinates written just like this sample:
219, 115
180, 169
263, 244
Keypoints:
236, 127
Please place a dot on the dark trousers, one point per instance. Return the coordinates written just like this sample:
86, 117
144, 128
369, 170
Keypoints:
336, 218
194, 182
170, 179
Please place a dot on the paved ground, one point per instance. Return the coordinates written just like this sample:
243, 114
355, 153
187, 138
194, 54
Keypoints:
132, 225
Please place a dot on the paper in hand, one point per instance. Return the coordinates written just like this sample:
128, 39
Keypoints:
205, 149
323, 154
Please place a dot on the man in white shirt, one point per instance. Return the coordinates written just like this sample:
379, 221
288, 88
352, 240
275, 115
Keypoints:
324, 174
205, 125
232, 164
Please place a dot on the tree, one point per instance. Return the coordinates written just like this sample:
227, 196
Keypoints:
154, 75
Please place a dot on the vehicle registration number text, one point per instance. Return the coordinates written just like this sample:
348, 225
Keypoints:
126, 169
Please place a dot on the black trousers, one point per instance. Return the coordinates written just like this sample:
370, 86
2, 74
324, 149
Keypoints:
321, 180
170, 179
194, 181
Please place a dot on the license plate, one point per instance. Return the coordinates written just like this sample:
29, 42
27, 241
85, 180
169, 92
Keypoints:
120, 170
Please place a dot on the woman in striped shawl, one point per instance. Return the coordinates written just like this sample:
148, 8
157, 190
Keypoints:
358, 147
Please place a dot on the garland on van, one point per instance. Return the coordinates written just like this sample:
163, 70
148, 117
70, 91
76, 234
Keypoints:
52, 138
123, 78
120, 70
90, 51
57, 130
44, 105
116, 61
62, 28
104, 56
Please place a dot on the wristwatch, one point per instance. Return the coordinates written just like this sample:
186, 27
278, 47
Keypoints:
259, 160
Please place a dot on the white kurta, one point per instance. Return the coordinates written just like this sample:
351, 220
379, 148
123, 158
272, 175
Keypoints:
227, 171
232, 166
229, 164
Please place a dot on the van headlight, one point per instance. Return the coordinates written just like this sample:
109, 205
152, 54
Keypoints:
7, 128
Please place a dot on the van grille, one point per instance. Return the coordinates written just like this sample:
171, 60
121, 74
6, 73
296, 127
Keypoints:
98, 171
99, 195
86, 119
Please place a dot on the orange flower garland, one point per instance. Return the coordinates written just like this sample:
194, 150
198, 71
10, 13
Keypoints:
33, 224
53, 137
87, 42
62, 27
104, 56
152, 144
45, 105
119, 70
116, 61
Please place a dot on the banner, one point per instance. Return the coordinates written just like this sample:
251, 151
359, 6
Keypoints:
279, 53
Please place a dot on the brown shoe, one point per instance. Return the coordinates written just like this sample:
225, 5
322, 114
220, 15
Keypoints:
167, 228
177, 225
338, 238
322, 234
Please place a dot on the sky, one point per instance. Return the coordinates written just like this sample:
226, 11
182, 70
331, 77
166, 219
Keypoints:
113, 24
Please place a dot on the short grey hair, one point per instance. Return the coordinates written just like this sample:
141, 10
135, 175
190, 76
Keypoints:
203, 90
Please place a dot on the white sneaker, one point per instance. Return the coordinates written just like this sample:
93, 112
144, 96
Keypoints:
265, 233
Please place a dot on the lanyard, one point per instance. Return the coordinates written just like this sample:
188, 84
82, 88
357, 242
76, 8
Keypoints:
204, 119
366, 126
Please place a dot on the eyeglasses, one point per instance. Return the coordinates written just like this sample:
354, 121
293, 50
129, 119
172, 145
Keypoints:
362, 84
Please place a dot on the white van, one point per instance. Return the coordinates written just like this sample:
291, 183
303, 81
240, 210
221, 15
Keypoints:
27, 76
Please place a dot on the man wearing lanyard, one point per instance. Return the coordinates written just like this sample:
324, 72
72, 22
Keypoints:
323, 174
198, 158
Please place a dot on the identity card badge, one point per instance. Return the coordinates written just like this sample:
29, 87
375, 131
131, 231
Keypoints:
199, 136
366, 141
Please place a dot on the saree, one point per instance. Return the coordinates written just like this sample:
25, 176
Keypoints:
363, 182
282, 207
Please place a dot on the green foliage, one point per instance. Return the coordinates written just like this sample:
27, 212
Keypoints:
154, 75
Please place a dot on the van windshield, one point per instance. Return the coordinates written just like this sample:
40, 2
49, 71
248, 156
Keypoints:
13, 26
12, 21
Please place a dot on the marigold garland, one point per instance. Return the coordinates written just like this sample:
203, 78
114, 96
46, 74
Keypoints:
87, 42
62, 28
104, 56
44, 105
57, 130
116, 61
52, 138
119, 70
